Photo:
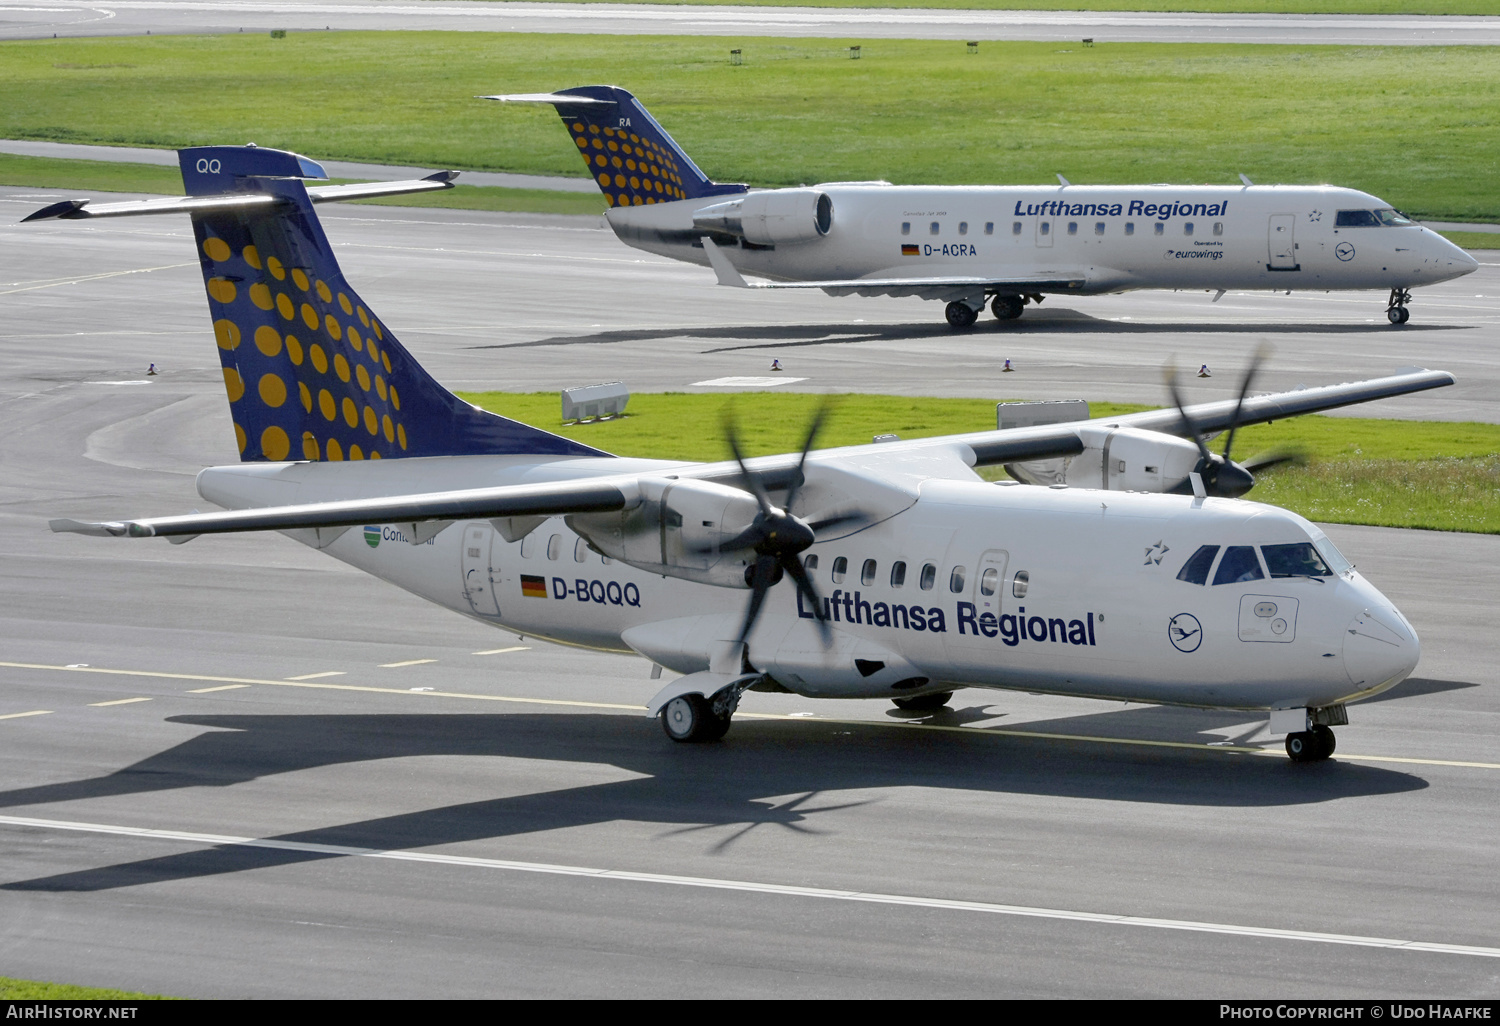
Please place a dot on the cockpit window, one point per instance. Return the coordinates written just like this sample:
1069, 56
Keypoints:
1296, 560
1195, 570
1370, 218
1238, 565
1330, 553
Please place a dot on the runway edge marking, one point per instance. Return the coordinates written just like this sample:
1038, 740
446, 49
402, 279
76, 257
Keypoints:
903, 725
781, 890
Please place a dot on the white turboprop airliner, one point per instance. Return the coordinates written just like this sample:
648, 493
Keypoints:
1005, 245
887, 571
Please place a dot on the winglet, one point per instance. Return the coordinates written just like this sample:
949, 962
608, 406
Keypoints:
723, 269
64, 208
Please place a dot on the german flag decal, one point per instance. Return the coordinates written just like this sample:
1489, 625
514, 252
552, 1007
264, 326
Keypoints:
533, 587
908, 250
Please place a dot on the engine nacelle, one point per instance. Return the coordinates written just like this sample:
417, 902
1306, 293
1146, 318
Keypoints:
771, 218
1117, 459
676, 529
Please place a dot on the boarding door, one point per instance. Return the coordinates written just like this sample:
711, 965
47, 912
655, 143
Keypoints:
1044, 229
1283, 243
979, 639
479, 576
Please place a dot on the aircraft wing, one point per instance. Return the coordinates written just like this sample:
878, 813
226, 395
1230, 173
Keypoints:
584, 495
728, 275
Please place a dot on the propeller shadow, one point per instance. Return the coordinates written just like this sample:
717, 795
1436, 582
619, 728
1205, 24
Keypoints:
679, 788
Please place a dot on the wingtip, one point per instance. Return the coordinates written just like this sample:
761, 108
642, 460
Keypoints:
61, 209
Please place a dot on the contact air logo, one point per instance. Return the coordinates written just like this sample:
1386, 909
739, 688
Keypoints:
372, 536
1185, 632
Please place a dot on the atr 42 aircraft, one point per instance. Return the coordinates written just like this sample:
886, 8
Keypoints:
887, 571
1005, 245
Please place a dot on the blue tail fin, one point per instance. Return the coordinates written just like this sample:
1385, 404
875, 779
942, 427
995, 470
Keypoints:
632, 157
311, 372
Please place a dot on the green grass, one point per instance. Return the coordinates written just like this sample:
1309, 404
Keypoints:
1473, 240
31, 990
1414, 125
1428, 474
106, 176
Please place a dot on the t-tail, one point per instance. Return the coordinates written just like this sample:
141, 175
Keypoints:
311, 372
631, 157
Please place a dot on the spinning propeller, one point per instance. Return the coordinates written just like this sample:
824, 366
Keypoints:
778, 537
1221, 475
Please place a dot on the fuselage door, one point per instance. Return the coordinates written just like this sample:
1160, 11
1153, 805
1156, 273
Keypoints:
478, 575
1283, 243
1044, 228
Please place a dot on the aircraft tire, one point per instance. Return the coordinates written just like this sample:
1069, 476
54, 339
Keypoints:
1310, 745
1398, 314
689, 719
924, 703
1325, 740
1007, 308
961, 316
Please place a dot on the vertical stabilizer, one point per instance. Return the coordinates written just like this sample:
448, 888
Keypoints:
311, 372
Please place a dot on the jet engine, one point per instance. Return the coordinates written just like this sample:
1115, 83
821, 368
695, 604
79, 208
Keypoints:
677, 529
771, 218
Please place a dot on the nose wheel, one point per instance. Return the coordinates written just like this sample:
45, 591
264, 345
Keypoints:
1313, 745
1396, 310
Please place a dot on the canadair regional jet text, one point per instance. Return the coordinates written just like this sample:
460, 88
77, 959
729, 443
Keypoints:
888, 571
1003, 245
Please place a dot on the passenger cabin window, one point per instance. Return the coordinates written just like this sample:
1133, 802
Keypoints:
928, 578
554, 546
1046, 227
905, 227
956, 580
934, 228
963, 227
989, 581
867, 573
528, 545
1195, 570
1187, 228
1129, 227
811, 562
989, 227
1072, 227
580, 551
1218, 227
1298, 559
1238, 566
1015, 227
1098, 227
1160, 228
898, 573
1020, 583
840, 567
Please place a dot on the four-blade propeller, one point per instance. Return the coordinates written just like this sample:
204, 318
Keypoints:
1221, 475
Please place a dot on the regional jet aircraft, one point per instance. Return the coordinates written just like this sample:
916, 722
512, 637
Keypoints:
1003, 245
888, 571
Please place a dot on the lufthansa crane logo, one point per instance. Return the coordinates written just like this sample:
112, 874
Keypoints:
1344, 251
1185, 632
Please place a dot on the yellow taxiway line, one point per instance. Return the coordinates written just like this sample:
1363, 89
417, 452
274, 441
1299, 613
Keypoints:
578, 704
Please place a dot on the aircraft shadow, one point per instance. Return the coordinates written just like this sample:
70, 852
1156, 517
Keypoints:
1057, 321
682, 788
1414, 687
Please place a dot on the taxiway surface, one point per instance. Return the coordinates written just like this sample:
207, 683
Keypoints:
41, 18
426, 823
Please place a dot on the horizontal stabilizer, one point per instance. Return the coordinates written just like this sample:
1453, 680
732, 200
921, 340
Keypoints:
75, 209
553, 98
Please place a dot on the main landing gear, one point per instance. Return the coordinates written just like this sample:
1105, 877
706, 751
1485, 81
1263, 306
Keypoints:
691, 719
1396, 309
1313, 745
961, 316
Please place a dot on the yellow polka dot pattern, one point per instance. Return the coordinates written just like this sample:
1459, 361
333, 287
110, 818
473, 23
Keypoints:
630, 169
338, 374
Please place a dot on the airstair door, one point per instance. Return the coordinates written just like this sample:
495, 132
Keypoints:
975, 635
1283, 243
479, 575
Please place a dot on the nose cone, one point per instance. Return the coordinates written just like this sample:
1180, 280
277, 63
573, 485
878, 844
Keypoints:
1380, 649
1447, 261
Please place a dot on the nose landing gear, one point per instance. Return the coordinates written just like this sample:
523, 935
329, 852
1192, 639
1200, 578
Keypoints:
1396, 310
1313, 745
